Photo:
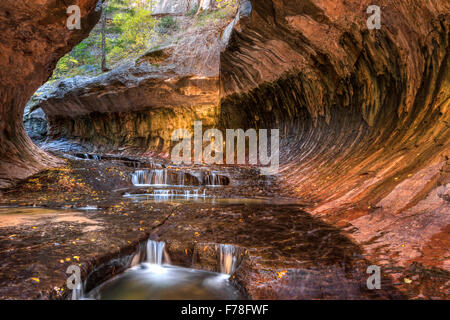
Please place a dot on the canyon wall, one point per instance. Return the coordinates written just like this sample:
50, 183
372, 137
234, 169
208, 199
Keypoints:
364, 113
136, 107
34, 37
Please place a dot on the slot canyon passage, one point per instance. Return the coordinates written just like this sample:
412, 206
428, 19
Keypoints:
364, 149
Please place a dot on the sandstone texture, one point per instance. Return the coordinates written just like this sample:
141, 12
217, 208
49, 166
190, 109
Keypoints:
365, 113
135, 107
34, 37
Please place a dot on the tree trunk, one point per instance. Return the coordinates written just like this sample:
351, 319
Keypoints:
104, 69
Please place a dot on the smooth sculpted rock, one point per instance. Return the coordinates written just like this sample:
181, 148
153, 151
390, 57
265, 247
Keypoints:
364, 113
137, 106
34, 37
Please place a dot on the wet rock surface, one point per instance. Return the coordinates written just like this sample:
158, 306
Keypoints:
365, 151
78, 215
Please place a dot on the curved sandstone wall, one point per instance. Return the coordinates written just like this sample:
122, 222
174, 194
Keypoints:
364, 113
34, 37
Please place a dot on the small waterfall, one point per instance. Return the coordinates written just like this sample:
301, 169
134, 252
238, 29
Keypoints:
181, 178
88, 156
156, 252
211, 179
162, 177
214, 179
228, 258
153, 252
149, 177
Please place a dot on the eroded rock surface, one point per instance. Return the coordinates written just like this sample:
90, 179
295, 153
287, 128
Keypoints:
138, 105
365, 113
364, 116
34, 37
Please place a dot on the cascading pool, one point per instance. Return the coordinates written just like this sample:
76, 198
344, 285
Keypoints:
150, 177
153, 280
166, 177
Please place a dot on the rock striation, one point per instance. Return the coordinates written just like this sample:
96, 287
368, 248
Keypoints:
34, 37
365, 113
136, 107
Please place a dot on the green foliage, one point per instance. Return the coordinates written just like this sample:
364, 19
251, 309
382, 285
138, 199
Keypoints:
193, 11
225, 3
167, 24
206, 17
136, 28
127, 32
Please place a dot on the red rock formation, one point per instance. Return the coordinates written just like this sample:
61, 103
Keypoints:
136, 107
365, 113
34, 37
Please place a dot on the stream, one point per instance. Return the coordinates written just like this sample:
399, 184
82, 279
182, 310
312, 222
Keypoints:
141, 228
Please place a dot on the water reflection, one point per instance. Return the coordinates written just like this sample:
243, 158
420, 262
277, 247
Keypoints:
191, 196
163, 282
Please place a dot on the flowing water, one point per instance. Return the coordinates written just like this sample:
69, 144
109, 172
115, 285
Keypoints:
228, 258
155, 252
157, 177
153, 280
165, 177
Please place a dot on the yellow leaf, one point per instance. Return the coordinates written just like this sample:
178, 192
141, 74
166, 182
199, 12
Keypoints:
36, 280
407, 280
